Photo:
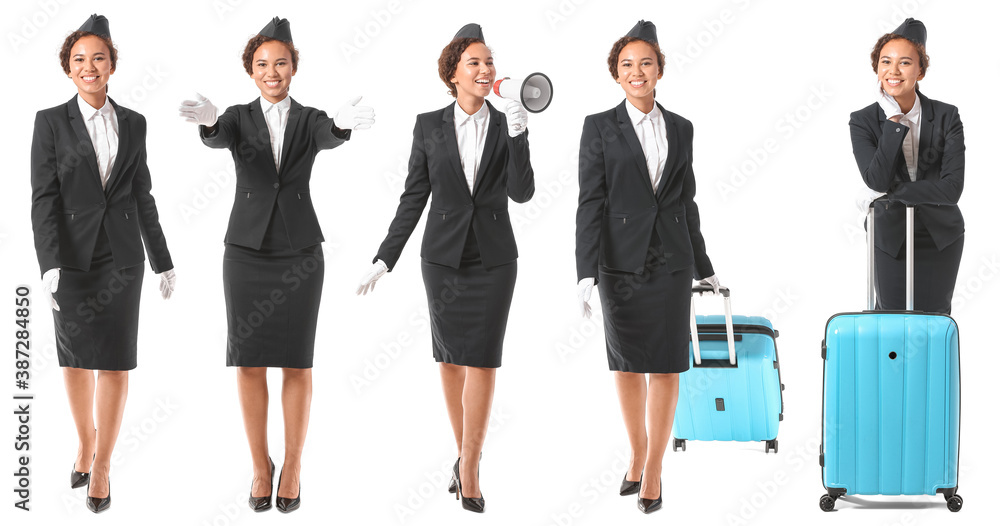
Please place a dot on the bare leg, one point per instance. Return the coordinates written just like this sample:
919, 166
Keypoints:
80, 387
453, 383
296, 397
111, 392
632, 398
251, 382
477, 399
662, 402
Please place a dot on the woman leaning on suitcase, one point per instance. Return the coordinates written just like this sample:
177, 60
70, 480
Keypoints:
91, 212
912, 149
469, 159
273, 266
638, 238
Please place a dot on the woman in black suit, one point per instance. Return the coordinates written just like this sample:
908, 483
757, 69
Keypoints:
91, 212
638, 237
469, 158
273, 266
912, 149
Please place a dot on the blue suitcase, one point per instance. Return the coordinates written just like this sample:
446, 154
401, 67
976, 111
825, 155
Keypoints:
732, 391
890, 401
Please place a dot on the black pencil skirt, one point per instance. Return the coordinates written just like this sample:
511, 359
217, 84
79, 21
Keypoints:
934, 275
647, 323
97, 325
272, 305
468, 308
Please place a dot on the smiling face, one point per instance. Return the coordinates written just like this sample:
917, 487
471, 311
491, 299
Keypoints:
474, 74
638, 70
899, 68
90, 68
272, 70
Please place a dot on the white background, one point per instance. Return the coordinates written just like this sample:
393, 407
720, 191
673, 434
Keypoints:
785, 239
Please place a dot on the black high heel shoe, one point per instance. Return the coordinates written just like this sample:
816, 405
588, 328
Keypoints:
629, 487
476, 504
453, 483
259, 504
98, 504
651, 505
78, 479
286, 505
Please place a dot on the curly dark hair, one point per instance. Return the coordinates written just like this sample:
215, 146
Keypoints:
449, 59
259, 40
620, 45
925, 61
67, 48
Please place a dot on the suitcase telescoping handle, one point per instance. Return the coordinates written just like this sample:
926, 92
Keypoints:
701, 290
871, 255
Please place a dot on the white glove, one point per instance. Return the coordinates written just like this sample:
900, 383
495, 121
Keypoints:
517, 118
352, 117
887, 103
199, 111
50, 281
168, 280
864, 201
583, 292
369, 279
712, 280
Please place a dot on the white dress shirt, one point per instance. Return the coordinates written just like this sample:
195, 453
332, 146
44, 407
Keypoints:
651, 129
276, 116
102, 126
470, 132
911, 144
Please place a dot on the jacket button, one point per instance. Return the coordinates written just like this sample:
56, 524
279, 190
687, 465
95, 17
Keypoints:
276, 185
897, 130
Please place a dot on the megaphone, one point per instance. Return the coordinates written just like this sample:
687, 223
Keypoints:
534, 92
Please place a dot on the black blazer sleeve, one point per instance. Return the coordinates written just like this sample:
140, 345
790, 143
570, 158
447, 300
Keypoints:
225, 131
702, 263
46, 203
878, 156
411, 204
520, 176
590, 209
325, 133
149, 221
947, 188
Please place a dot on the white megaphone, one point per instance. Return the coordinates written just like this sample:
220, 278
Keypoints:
534, 92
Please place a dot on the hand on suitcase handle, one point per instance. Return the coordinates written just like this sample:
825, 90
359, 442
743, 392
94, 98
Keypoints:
710, 284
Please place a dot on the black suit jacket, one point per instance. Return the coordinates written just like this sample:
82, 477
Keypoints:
259, 187
436, 168
68, 204
619, 211
878, 149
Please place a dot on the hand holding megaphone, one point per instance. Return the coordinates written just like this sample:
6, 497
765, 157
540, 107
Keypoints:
534, 92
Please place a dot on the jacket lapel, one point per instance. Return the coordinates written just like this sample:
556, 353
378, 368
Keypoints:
927, 131
294, 112
124, 132
492, 136
625, 124
673, 147
901, 173
86, 147
263, 134
451, 142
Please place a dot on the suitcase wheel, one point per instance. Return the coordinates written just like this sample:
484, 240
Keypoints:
680, 443
771, 444
827, 502
955, 503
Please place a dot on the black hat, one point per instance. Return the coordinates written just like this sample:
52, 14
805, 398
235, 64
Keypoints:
643, 30
912, 30
470, 31
278, 29
97, 25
